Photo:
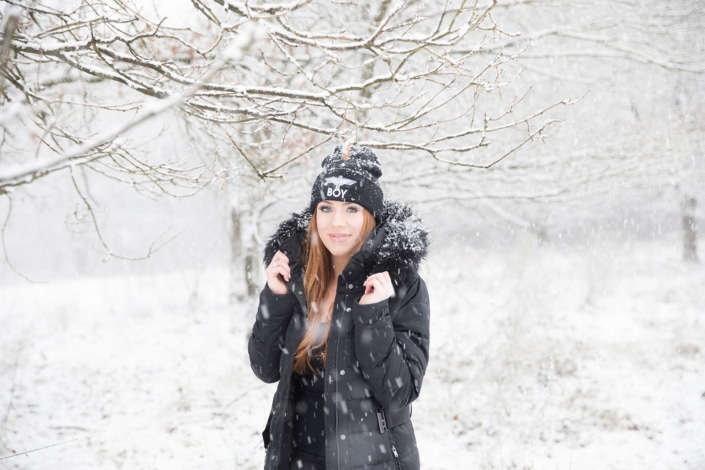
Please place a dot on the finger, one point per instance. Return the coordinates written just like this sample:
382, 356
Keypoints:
280, 267
377, 285
276, 269
284, 270
281, 271
281, 257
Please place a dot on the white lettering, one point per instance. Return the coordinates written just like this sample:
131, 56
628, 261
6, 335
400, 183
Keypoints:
336, 189
336, 192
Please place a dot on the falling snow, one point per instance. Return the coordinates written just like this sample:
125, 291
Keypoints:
540, 359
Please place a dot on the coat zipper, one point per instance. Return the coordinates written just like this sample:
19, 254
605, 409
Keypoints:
337, 366
392, 443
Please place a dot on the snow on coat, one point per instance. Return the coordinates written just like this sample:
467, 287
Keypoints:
377, 353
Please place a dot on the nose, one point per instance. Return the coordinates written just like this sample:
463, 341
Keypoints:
338, 218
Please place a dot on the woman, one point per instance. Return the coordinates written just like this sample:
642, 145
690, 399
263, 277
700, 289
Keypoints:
343, 325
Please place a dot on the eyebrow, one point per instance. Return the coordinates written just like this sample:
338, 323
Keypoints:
345, 203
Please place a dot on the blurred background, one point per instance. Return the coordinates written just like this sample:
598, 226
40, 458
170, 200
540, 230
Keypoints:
555, 151
531, 116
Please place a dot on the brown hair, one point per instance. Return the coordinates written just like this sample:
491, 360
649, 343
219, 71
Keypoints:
317, 276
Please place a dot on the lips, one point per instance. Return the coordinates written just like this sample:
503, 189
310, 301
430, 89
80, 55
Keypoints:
338, 237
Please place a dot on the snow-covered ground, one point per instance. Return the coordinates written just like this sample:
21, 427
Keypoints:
542, 358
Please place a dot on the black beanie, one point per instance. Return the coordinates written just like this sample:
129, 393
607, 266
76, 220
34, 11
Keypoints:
351, 179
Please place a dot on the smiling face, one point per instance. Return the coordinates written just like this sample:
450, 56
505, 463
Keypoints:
340, 225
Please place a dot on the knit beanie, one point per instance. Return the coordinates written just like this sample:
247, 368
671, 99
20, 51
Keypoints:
350, 178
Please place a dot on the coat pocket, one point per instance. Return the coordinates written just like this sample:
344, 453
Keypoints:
393, 450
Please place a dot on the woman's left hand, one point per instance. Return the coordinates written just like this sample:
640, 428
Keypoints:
378, 287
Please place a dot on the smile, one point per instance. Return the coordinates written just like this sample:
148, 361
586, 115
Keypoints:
338, 237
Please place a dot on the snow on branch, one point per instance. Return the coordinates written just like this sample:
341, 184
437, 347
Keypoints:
417, 77
84, 152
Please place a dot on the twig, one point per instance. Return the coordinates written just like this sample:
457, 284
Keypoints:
4, 244
37, 449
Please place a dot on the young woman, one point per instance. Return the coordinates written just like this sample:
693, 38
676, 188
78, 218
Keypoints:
343, 325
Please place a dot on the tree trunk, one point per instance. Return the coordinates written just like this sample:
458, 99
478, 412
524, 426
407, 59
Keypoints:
690, 229
244, 256
251, 260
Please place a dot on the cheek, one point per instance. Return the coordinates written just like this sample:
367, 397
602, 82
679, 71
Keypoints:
321, 224
358, 223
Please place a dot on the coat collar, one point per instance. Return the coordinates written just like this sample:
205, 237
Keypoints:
398, 244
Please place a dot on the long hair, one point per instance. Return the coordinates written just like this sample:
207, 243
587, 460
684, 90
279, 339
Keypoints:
318, 275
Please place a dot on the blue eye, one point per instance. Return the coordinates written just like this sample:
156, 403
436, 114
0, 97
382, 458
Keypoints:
324, 208
352, 209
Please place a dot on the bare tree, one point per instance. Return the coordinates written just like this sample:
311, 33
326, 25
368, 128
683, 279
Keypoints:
404, 72
637, 71
254, 89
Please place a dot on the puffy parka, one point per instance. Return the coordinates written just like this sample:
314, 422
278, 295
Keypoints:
377, 354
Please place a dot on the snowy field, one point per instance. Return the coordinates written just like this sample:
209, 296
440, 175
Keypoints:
542, 358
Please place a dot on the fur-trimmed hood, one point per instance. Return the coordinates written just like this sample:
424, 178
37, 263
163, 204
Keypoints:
398, 244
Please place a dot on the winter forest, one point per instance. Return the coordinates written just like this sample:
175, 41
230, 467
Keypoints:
149, 148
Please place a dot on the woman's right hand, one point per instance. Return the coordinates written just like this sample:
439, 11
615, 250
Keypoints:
277, 272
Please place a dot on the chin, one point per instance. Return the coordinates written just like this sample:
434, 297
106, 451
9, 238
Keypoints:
337, 250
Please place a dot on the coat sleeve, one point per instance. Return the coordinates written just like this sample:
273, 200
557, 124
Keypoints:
392, 344
267, 339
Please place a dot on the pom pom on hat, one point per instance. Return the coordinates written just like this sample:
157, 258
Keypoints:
350, 174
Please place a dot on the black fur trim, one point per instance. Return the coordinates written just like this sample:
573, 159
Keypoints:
403, 247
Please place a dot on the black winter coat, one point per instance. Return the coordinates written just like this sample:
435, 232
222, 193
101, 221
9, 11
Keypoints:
377, 353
